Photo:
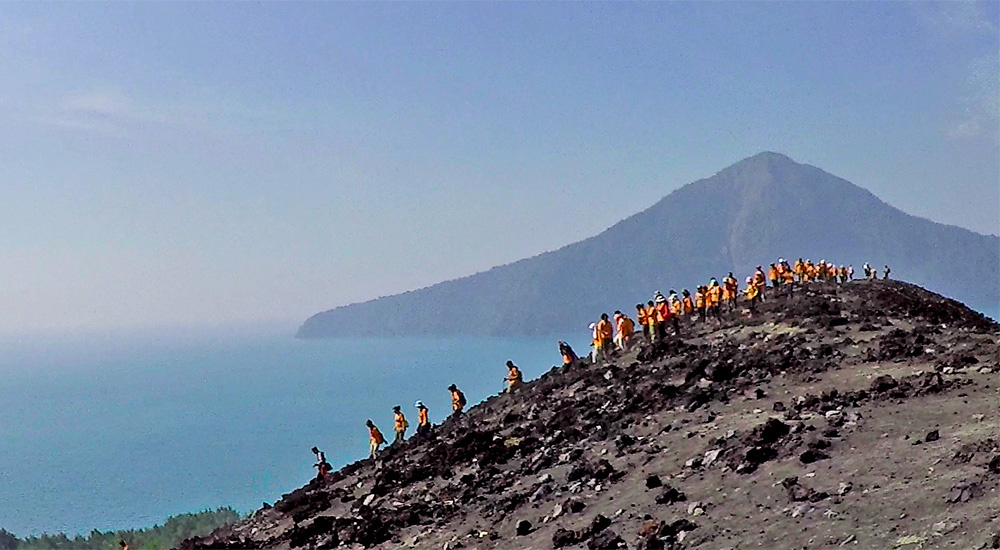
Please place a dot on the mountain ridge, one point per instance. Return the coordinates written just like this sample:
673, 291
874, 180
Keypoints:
761, 207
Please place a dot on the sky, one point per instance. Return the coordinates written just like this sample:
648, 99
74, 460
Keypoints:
206, 164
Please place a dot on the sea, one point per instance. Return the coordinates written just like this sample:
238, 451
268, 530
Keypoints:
121, 431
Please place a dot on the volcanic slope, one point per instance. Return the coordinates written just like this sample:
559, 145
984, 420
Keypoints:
865, 414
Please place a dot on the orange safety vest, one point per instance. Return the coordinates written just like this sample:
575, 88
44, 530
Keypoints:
752, 292
699, 300
772, 274
688, 306
651, 315
376, 436
640, 315
714, 295
627, 327
422, 417
676, 307
604, 330
401, 423
514, 376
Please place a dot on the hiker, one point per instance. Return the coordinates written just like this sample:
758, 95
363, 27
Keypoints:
605, 332
799, 269
375, 438
842, 274
687, 302
423, 422
730, 287
788, 277
753, 293
640, 317
568, 355
626, 328
322, 466
868, 271
457, 400
651, 319
850, 272
760, 281
676, 307
713, 299
772, 275
885, 274
663, 316
400, 423
514, 378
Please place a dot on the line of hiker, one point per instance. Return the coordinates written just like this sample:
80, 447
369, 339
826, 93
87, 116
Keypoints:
617, 334
611, 335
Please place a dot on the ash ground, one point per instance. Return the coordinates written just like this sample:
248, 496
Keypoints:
865, 415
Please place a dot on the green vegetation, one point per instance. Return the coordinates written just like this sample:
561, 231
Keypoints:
158, 537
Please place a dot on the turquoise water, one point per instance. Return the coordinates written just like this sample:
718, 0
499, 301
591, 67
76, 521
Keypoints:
113, 433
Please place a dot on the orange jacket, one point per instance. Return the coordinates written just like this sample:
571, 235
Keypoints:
676, 307
772, 273
688, 306
375, 435
651, 315
422, 417
799, 267
714, 295
699, 300
752, 292
604, 330
400, 420
640, 316
625, 326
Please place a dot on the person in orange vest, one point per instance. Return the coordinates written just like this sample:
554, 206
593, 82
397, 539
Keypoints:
687, 303
787, 275
699, 302
753, 294
654, 326
605, 333
643, 320
760, 281
457, 400
799, 270
713, 299
625, 328
400, 424
514, 378
423, 422
663, 316
730, 288
322, 466
676, 307
772, 275
375, 438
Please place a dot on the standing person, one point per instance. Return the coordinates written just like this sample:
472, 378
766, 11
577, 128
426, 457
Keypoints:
886, 273
676, 307
604, 336
713, 299
457, 400
788, 276
799, 269
654, 326
423, 421
867, 271
663, 316
375, 438
595, 341
514, 378
687, 303
699, 302
850, 272
568, 355
640, 317
626, 329
400, 424
753, 293
322, 466
772, 275
759, 280
730, 288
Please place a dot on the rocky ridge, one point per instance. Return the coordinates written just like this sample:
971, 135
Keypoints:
864, 415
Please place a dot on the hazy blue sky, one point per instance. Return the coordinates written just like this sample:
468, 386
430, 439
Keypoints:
211, 163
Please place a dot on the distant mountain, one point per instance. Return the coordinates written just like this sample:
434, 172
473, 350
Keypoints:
759, 209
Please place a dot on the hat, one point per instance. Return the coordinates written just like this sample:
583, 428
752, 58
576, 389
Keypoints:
419, 404
592, 326
315, 450
396, 408
453, 387
781, 260
660, 299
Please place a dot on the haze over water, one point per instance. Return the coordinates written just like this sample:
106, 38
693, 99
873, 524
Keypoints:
121, 433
